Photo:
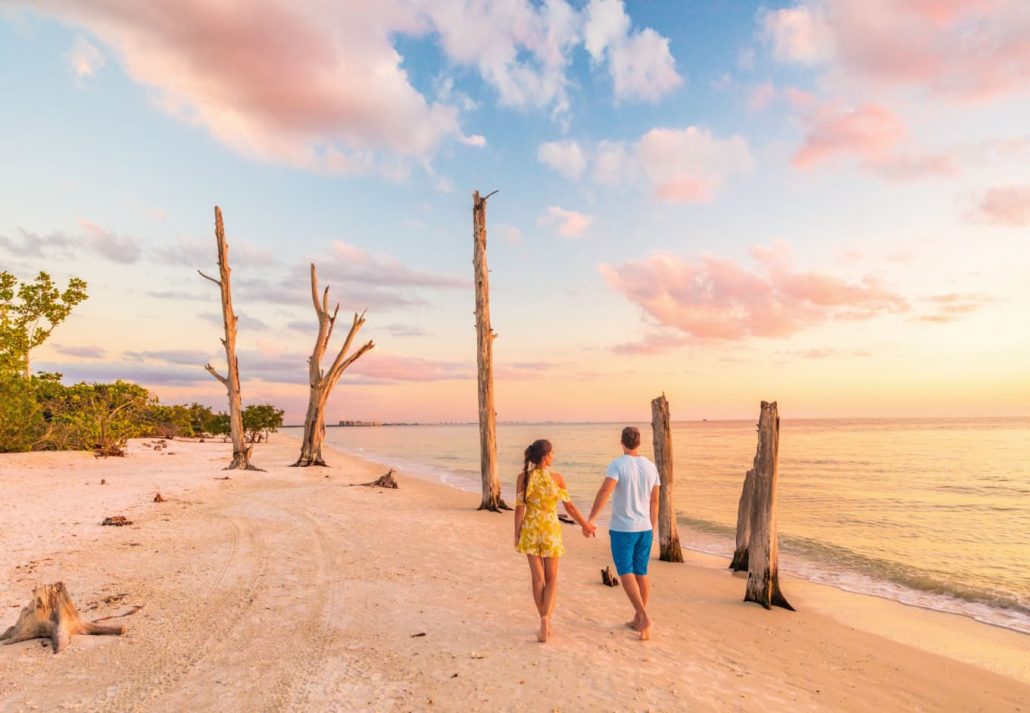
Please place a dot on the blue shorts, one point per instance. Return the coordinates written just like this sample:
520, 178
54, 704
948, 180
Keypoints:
631, 551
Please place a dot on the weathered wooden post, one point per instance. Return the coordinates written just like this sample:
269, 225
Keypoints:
485, 362
231, 381
763, 573
661, 430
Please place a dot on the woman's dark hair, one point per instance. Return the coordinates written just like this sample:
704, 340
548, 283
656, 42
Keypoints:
536, 453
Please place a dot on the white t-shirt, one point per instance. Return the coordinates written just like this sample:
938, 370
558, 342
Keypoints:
635, 477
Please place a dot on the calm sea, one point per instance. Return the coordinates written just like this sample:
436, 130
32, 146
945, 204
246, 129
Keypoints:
932, 513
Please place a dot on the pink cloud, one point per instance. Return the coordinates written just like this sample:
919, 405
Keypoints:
969, 49
396, 367
761, 96
952, 306
318, 87
1006, 205
652, 343
715, 298
568, 223
871, 133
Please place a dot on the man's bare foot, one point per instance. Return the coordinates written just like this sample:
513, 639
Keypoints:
643, 626
545, 630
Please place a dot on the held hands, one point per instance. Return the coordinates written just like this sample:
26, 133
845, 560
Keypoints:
589, 530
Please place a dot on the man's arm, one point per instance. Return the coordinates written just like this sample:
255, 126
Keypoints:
654, 506
603, 493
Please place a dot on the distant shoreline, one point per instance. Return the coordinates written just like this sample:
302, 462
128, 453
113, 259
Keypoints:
846, 419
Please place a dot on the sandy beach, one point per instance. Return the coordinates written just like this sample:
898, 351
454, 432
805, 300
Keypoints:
290, 590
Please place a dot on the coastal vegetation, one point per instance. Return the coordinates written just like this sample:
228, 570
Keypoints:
39, 412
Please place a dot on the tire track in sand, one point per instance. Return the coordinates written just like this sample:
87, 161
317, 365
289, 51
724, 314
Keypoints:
169, 655
312, 636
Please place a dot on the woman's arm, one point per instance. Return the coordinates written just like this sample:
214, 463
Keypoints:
520, 505
571, 508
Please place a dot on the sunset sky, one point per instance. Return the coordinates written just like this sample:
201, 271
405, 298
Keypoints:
824, 203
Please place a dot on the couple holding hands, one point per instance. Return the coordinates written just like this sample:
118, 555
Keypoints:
631, 482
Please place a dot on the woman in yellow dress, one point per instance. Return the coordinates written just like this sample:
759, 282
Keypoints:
538, 490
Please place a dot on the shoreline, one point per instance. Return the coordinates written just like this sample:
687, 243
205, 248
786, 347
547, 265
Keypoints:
290, 590
435, 475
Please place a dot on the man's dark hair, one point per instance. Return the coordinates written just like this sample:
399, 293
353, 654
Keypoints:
631, 437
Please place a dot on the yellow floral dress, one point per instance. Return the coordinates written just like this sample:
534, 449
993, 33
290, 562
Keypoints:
541, 531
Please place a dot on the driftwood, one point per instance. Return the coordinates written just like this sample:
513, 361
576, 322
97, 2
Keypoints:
116, 521
763, 574
383, 481
159, 498
231, 381
608, 578
668, 533
562, 517
485, 336
321, 382
52, 614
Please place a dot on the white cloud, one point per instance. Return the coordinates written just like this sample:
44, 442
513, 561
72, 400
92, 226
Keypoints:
797, 34
687, 165
568, 223
641, 65
520, 49
511, 234
565, 157
85, 59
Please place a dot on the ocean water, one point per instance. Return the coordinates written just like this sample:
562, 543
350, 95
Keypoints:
932, 513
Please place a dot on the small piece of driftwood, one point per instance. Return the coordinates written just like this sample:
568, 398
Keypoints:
52, 614
159, 498
566, 519
116, 521
607, 577
383, 481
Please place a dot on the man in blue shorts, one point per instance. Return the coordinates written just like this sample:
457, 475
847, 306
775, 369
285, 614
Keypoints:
632, 482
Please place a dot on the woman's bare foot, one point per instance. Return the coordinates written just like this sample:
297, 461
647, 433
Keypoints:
545, 630
632, 624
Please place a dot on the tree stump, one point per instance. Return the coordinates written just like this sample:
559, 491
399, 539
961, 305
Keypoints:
763, 572
668, 533
383, 481
52, 614
608, 578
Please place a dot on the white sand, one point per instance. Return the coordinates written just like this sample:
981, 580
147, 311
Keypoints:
289, 590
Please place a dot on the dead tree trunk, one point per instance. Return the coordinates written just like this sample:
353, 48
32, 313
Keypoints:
321, 382
52, 614
668, 534
763, 573
240, 450
485, 363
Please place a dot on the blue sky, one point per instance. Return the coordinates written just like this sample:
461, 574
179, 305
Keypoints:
888, 198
